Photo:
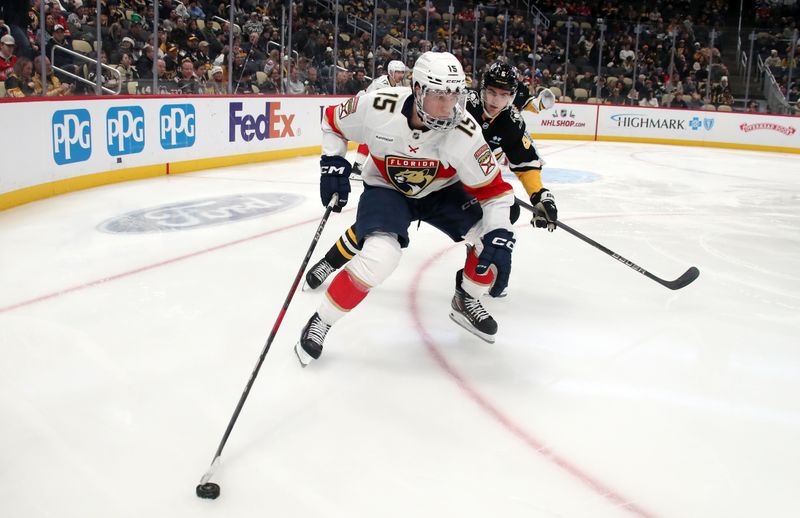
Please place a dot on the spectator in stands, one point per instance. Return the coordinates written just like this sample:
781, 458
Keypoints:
678, 102
792, 95
649, 99
774, 60
172, 61
546, 80
753, 106
358, 82
254, 24
55, 88
144, 66
7, 56
313, 86
125, 47
721, 92
20, 82
272, 84
292, 84
78, 22
58, 16
626, 53
616, 97
217, 85
107, 78
252, 48
632, 99
186, 82
587, 82
139, 36
202, 55
64, 60
604, 91
126, 68
697, 102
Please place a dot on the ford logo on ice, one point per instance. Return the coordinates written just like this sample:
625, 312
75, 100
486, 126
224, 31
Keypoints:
200, 213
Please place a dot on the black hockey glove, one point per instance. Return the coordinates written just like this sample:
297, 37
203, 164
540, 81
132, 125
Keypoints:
497, 247
335, 179
545, 203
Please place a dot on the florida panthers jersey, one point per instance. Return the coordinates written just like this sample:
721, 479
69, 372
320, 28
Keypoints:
379, 83
413, 161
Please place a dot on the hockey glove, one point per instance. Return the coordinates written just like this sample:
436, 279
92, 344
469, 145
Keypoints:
547, 213
335, 179
497, 247
544, 101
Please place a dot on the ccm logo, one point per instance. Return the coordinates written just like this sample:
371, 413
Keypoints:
332, 169
503, 243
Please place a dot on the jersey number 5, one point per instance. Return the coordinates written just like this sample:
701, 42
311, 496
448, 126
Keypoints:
468, 126
384, 101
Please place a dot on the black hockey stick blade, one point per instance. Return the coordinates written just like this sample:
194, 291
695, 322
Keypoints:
684, 280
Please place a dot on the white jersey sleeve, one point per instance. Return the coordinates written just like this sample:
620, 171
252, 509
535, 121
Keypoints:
344, 122
480, 174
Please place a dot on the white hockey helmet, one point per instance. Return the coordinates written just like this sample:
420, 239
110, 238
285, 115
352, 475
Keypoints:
439, 74
395, 66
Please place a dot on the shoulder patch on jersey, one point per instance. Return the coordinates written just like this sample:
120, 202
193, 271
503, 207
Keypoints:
515, 115
348, 107
411, 175
473, 98
485, 159
526, 141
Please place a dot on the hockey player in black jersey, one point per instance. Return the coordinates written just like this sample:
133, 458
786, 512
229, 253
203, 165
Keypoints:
504, 130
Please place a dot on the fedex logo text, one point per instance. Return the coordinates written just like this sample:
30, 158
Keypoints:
72, 136
177, 127
125, 130
269, 124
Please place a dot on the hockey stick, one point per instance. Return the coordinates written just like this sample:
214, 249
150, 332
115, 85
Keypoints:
206, 489
681, 282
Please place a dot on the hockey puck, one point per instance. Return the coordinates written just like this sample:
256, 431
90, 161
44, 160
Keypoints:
209, 490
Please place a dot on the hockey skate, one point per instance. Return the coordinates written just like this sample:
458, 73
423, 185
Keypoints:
318, 273
470, 314
309, 347
355, 172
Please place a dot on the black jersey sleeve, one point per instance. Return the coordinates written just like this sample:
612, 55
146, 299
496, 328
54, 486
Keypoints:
523, 157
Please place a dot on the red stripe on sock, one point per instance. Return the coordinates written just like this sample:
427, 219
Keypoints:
469, 270
345, 292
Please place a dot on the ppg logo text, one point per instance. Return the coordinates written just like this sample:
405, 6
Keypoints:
177, 126
125, 130
72, 136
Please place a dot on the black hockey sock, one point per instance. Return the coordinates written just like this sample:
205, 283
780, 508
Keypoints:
344, 249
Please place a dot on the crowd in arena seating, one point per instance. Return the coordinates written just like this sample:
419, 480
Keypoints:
192, 52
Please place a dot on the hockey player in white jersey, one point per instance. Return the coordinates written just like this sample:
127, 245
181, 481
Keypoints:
395, 72
505, 132
429, 162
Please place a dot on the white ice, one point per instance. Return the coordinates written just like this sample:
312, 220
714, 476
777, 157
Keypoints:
122, 357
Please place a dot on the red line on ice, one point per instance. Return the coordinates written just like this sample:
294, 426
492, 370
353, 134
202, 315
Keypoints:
494, 412
122, 275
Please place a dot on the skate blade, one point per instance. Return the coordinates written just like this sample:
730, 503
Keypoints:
302, 356
463, 322
356, 177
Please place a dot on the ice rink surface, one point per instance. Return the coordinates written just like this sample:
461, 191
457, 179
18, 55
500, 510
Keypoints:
606, 395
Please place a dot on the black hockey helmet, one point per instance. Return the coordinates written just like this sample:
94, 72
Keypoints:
500, 75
